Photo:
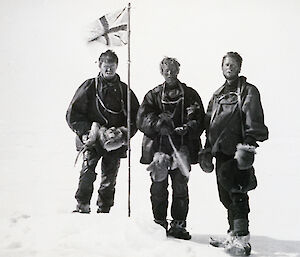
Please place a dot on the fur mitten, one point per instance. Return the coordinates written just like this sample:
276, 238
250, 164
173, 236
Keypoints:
205, 160
159, 167
245, 156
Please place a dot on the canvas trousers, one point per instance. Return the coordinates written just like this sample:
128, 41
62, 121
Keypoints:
237, 204
110, 164
180, 197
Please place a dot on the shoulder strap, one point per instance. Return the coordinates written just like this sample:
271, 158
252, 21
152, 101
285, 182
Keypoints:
103, 105
239, 95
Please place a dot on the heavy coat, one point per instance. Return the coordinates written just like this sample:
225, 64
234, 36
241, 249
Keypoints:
228, 123
148, 116
85, 109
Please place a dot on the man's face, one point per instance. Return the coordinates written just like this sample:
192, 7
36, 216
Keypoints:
231, 68
170, 72
108, 69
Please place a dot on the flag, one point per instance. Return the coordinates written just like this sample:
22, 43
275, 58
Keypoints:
110, 29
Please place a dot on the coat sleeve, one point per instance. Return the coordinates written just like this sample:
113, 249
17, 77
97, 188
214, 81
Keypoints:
196, 125
134, 106
77, 116
147, 116
207, 122
254, 127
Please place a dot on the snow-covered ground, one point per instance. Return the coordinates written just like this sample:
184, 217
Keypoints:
38, 181
42, 62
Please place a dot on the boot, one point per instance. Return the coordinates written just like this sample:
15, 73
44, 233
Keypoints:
178, 230
163, 223
103, 209
82, 208
240, 227
240, 246
222, 241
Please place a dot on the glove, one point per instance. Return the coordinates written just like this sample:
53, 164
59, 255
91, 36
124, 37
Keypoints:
205, 160
165, 125
181, 131
244, 156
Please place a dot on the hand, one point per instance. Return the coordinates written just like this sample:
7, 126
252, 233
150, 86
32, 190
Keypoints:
192, 109
164, 131
165, 125
181, 130
84, 138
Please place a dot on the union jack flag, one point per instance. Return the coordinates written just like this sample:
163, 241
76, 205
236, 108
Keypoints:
110, 29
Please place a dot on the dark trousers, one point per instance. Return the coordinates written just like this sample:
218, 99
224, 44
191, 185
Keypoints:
110, 164
180, 197
237, 204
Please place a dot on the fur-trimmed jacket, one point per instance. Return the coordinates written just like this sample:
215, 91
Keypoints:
234, 115
148, 115
102, 101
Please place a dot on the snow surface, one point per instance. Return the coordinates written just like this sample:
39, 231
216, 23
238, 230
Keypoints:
43, 60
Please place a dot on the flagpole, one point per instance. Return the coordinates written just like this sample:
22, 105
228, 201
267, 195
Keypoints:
128, 114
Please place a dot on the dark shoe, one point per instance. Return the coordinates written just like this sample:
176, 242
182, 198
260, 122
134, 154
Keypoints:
103, 210
178, 230
82, 208
163, 223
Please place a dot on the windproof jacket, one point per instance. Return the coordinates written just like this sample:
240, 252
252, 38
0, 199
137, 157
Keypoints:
148, 116
230, 121
86, 108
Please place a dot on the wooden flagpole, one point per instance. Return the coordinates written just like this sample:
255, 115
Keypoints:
128, 114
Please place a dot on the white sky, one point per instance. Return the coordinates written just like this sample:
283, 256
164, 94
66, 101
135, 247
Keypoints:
43, 56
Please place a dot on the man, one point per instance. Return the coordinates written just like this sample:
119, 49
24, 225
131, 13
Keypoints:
234, 124
171, 117
98, 116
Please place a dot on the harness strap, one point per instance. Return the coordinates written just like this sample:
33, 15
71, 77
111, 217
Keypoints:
103, 105
239, 97
163, 102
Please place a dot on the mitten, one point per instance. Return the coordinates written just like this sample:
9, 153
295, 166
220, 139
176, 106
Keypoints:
114, 139
102, 135
93, 134
205, 160
124, 131
182, 161
244, 156
159, 167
